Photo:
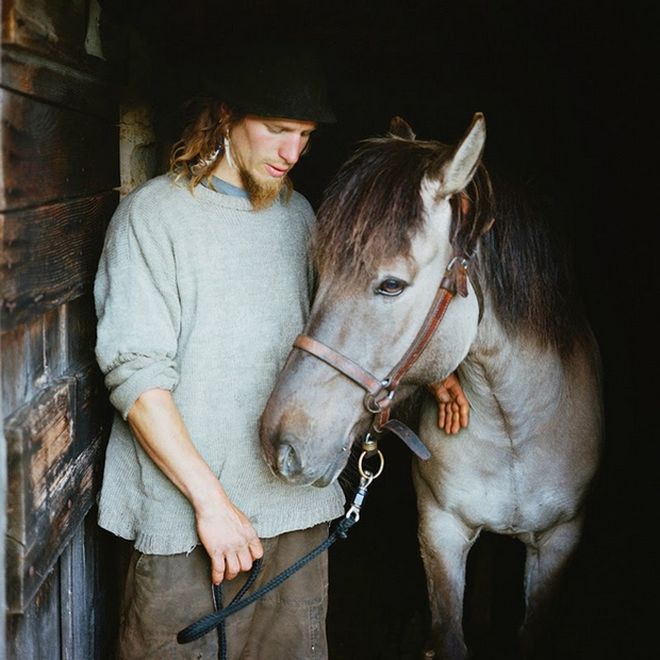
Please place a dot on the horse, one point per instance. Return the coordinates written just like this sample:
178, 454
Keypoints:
402, 221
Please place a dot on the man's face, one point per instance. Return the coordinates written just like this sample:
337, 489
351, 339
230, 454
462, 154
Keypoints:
264, 150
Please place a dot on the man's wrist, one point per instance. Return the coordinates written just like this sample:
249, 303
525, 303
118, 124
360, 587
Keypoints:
207, 499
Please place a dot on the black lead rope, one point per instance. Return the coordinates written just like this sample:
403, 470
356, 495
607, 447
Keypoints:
218, 605
216, 619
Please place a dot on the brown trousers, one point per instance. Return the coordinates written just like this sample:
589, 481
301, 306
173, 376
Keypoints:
166, 593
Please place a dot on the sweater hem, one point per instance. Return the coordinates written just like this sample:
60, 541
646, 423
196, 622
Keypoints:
157, 542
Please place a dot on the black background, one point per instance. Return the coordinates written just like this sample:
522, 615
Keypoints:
568, 92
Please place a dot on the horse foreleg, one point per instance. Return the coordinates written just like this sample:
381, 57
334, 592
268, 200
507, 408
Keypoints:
444, 544
547, 555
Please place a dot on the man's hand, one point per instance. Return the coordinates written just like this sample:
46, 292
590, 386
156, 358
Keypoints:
453, 406
229, 539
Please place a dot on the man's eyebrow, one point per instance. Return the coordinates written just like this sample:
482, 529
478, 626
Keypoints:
281, 124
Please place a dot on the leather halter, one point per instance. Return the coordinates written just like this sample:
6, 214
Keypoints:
380, 392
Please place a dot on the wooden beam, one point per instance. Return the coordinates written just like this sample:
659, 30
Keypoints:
49, 255
52, 154
36, 634
59, 84
54, 27
55, 447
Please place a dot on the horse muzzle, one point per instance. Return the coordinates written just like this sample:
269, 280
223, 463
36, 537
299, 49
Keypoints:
288, 460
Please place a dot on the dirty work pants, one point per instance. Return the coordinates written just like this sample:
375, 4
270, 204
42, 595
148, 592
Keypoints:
166, 593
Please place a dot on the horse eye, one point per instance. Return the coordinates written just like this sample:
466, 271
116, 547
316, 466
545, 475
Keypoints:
391, 286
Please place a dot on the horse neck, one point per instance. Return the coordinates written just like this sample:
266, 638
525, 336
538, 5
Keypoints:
511, 377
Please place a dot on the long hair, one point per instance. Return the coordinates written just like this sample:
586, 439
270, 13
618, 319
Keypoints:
196, 154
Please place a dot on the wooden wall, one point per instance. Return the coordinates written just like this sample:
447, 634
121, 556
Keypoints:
58, 189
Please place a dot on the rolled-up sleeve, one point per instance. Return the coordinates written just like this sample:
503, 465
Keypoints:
137, 306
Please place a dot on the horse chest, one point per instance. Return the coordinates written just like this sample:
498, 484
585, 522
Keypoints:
497, 486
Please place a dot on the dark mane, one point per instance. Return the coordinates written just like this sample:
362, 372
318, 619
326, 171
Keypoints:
526, 264
373, 208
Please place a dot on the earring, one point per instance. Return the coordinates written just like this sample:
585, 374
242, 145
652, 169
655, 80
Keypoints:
227, 148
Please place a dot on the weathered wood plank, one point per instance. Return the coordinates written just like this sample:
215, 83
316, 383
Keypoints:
56, 354
81, 332
23, 369
49, 255
36, 633
87, 586
43, 426
54, 475
54, 27
67, 570
46, 348
76, 600
109, 555
52, 154
58, 83
93, 409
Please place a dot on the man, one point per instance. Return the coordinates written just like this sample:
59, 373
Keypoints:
203, 284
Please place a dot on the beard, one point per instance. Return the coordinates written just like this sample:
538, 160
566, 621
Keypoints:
261, 194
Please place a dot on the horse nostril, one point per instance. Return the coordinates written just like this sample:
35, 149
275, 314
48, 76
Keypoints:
288, 463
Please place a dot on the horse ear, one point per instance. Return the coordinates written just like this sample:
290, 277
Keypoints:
400, 128
458, 171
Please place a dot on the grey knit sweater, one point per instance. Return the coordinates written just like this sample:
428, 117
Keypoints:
200, 295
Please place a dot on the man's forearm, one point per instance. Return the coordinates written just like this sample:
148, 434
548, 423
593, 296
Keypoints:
224, 531
159, 428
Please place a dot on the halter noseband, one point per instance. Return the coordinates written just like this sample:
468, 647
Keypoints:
380, 392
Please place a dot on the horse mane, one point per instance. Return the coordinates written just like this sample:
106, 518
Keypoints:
525, 262
373, 208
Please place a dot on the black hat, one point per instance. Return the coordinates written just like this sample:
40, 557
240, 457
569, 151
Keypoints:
273, 80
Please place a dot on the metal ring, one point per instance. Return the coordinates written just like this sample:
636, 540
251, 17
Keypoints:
368, 474
371, 404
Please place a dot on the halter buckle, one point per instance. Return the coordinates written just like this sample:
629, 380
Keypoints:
373, 404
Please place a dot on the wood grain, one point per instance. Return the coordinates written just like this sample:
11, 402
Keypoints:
59, 84
52, 154
53, 27
54, 474
49, 255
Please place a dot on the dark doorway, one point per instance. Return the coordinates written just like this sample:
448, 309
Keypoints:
563, 87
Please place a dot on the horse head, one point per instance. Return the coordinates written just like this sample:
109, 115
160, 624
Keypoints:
389, 225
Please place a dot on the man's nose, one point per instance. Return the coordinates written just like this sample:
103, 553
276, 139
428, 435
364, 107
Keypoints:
291, 148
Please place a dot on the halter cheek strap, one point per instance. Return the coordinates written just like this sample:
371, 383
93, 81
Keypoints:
380, 393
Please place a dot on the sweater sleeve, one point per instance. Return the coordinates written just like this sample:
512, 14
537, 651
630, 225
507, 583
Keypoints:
137, 305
